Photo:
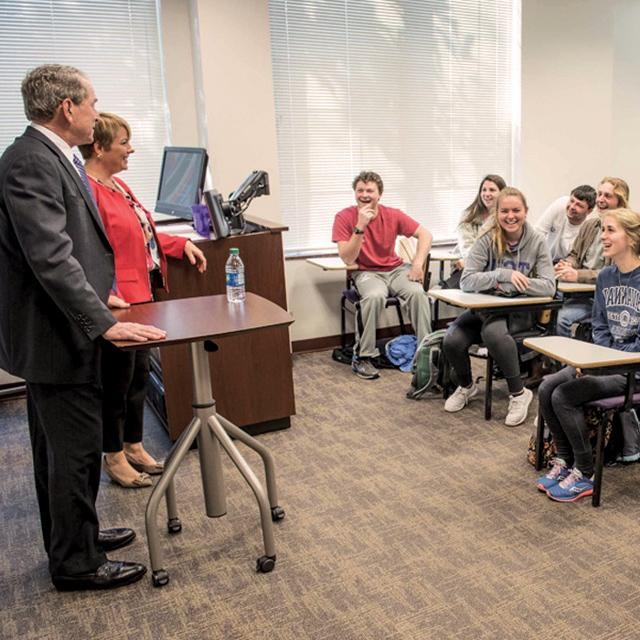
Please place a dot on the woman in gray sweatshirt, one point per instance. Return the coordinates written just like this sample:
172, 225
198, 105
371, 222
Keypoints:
510, 258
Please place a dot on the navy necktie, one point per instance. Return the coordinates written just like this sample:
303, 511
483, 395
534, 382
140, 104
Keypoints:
83, 175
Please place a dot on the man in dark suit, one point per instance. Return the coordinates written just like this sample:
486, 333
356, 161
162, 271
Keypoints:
57, 272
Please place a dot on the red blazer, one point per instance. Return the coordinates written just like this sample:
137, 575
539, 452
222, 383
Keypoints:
125, 235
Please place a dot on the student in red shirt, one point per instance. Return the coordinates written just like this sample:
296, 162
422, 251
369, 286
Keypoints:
366, 235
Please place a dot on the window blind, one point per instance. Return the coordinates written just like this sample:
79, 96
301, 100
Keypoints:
117, 44
425, 93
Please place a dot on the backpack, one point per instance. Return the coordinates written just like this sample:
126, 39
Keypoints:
429, 368
593, 416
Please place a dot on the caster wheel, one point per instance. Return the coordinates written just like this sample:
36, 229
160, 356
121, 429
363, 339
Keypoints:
265, 564
160, 578
174, 525
277, 513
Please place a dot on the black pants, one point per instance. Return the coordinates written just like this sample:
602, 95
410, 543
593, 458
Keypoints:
125, 375
561, 398
471, 328
66, 436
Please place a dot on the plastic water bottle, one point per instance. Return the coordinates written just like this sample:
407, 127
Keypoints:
235, 277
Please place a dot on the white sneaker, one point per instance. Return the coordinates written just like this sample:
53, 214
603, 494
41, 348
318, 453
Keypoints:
518, 408
460, 398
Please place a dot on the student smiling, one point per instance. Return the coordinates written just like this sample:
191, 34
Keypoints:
509, 257
616, 317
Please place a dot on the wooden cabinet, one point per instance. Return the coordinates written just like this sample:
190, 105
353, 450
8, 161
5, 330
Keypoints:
251, 374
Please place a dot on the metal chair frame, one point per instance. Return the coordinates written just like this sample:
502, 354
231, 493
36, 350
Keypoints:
350, 297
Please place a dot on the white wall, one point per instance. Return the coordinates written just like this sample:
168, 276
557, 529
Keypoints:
179, 72
580, 119
580, 91
237, 83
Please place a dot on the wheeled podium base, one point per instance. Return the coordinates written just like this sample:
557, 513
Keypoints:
211, 431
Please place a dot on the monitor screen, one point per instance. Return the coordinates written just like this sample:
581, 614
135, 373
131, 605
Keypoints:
181, 180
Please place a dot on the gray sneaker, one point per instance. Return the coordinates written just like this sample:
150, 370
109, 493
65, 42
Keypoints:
460, 398
518, 408
363, 368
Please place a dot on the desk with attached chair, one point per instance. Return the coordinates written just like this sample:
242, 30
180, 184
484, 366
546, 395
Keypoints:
350, 300
487, 303
597, 360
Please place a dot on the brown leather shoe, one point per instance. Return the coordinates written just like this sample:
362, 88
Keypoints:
110, 575
140, 481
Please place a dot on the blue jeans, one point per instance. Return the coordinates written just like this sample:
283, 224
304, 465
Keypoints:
572, 311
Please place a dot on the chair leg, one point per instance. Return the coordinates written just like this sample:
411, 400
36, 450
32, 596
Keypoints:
358, 329
539, 442
403, 329
597, 479
343, 323
488, 387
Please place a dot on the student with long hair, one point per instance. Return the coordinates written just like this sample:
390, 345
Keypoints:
476, 214
616, 322
509, 257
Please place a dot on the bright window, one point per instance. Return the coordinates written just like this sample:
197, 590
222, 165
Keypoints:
117, 44
425, 92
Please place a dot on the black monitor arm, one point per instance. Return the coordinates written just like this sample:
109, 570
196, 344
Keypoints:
229, 215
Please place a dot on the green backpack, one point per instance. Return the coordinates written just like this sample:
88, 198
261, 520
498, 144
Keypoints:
430, 371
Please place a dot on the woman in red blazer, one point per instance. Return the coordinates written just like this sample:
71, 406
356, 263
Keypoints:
140, 255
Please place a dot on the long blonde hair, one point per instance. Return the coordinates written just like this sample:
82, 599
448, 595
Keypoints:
630, 223
499, 239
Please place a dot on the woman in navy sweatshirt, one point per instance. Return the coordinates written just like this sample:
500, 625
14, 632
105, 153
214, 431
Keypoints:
616, 322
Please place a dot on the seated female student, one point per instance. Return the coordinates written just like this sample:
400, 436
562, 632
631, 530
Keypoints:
510, 257
616, 323
473, 217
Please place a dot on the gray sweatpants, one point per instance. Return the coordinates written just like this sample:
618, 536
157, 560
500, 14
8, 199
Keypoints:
374, 287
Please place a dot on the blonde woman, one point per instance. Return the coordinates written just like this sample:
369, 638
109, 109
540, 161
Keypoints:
616, 322
140, 254
510, 257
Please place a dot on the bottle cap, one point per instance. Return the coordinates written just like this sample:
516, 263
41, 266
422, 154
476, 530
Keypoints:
234, 251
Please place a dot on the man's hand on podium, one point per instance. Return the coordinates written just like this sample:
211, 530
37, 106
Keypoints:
132, 331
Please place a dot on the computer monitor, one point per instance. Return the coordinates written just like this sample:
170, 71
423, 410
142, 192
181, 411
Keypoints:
181, 180
218, 218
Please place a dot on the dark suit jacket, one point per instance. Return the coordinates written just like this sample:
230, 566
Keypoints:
56, 267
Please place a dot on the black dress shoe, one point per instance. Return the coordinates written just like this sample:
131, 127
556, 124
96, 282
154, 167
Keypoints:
109, 575
110, 539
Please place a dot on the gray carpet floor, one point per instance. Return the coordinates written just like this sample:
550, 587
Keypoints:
402, 522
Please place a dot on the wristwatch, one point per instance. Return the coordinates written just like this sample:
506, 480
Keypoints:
357, 231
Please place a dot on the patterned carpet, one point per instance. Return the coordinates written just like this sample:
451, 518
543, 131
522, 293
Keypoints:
402, 522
